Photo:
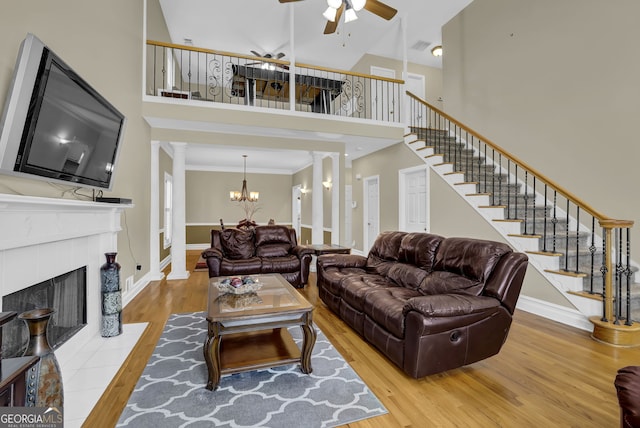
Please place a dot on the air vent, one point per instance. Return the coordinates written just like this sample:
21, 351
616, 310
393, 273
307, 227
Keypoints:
188, 42
420, 45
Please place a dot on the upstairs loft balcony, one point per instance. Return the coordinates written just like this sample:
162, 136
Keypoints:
181, 72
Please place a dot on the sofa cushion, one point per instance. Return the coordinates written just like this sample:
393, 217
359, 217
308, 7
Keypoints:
473, 258
419, 249
289, 263
387, 245
237, 244
334, 275
273, 250
355, 288
449, 282
406, 275
272, 235
240, 266
384, 306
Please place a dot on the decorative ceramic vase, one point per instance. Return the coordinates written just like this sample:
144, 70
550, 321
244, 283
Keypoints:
44, 380
111, 297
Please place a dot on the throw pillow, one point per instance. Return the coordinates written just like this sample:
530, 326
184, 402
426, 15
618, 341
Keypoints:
237, 244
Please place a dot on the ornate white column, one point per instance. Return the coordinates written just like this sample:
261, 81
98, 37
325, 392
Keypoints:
335, 198
317, 208
178, 242
154, 215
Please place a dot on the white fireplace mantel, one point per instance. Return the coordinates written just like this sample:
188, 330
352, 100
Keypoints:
41, 238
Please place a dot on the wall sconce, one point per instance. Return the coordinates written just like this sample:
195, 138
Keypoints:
327, 185
304, 190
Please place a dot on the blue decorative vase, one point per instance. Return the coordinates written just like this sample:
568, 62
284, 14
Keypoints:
111, 297
44, 380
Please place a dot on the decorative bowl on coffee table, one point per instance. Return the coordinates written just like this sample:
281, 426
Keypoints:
239, 285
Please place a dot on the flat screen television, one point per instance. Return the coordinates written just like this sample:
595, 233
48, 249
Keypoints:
55, 126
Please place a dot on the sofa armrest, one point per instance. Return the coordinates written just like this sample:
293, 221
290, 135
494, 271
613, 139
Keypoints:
212, 252
300, 251
450, 305
342, 261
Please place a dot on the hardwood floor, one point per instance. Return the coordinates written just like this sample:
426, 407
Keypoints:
547, 374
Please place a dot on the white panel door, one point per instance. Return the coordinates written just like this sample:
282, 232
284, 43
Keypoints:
371, 211
296, 209
382, 95
416, 201
415, 84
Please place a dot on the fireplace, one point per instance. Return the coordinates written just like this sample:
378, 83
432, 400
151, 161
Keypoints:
44, 238
65, 294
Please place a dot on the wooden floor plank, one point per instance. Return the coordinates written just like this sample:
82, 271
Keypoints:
547, 374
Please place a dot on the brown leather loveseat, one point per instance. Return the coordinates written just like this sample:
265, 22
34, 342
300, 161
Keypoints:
264, 249
627, 385
428, 303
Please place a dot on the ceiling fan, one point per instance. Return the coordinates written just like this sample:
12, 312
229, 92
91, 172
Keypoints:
337, 7
268, 56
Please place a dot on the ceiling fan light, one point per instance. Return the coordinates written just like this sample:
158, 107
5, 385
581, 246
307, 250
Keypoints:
334, 3
358, 4
330, 14
350, 15
437, 51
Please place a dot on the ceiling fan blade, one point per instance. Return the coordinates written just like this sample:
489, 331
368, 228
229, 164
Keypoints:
280, 55
287, 1
255, 53
331, 27
380, 9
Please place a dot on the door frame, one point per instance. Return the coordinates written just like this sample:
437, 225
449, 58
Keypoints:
365, 210
296, 208
402, 195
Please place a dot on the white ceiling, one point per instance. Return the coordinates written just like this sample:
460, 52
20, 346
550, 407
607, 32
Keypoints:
265, 26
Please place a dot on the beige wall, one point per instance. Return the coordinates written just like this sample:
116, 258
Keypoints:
384, 163
433, 76
102, 42
207, 197
556, 84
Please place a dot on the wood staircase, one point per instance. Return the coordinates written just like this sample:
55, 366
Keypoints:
570, 258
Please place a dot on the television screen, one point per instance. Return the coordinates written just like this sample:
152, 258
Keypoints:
55, 126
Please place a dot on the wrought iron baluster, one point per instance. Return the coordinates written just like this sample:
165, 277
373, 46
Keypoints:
577, 238
493, 176
533, 206
515, 193
544, 234
508, 188
628, 275
526, 199
554, 220
485, 168
500, 178
603, 271
592, 250
566, 242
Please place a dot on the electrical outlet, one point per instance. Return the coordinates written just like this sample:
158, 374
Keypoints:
128, 283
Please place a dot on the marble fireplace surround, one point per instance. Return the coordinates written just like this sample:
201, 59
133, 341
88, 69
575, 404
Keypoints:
41, 238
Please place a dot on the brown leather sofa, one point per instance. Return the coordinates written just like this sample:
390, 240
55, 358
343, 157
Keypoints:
428, 303
627, 385
264, 249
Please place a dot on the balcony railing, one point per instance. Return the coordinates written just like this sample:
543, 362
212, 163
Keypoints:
588, 244
184, 72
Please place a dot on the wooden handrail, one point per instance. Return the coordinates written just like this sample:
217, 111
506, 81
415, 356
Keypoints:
216, 52
604, 221
350, 73
269, 60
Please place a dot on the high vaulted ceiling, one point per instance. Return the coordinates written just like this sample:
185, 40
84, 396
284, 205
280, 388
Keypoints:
266, 26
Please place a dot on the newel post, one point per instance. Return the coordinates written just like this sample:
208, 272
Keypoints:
607, 328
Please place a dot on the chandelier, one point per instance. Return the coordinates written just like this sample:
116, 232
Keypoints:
244, 195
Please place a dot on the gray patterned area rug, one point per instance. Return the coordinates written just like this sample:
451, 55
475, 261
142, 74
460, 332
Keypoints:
171, 391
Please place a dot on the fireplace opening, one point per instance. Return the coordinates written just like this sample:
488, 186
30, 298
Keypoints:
65, 293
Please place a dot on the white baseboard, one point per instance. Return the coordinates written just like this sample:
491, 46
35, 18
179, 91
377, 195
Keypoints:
198, 246
554, 312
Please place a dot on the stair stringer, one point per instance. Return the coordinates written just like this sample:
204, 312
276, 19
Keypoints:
584, 307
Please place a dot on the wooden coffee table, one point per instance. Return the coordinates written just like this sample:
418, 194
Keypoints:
276, 305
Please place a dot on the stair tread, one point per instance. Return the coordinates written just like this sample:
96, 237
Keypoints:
567, 273
545, 253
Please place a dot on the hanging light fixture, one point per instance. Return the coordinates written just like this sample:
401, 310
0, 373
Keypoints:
350, 14
358, 4
244, 195
437, 51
